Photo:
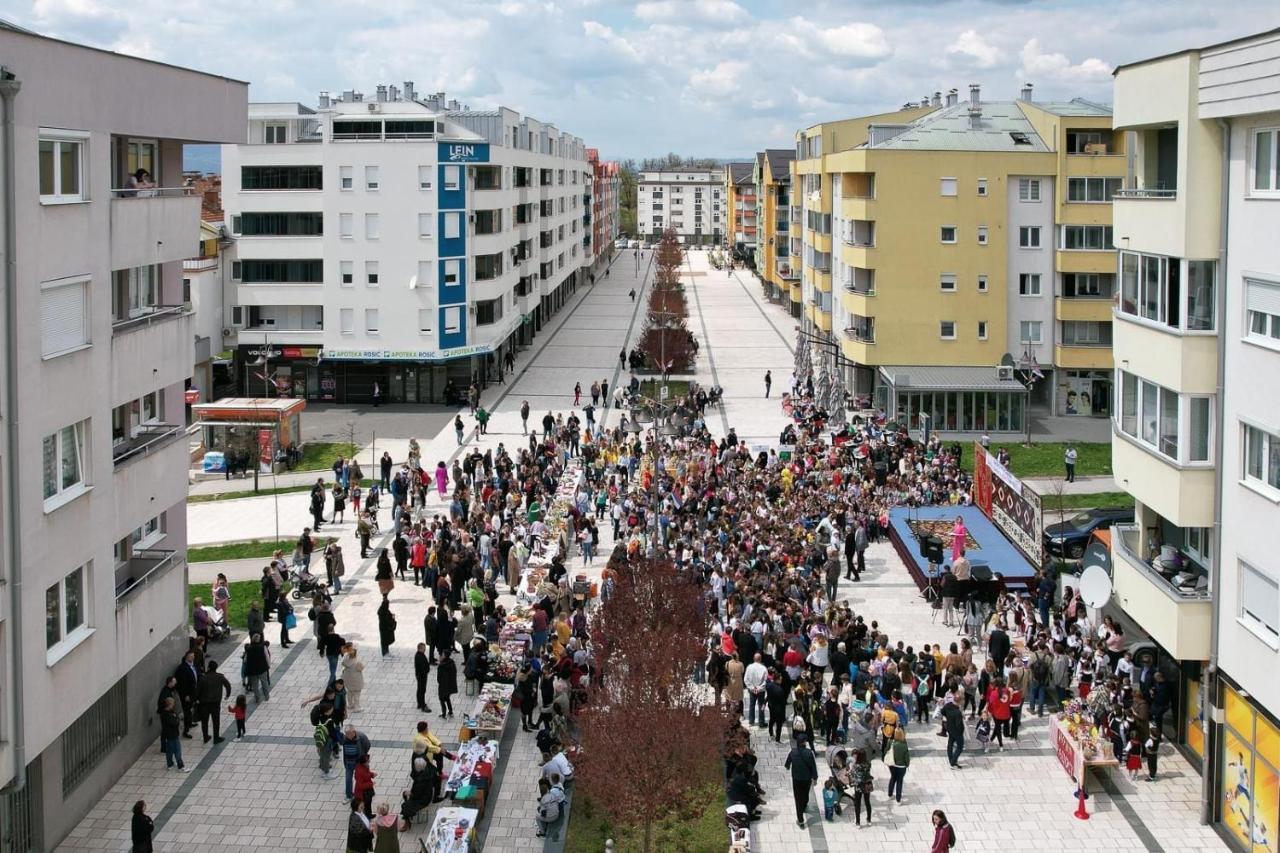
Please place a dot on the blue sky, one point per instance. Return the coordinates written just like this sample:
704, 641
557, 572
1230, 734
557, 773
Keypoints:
635, 78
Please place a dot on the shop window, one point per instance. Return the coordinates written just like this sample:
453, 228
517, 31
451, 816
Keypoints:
1249, 797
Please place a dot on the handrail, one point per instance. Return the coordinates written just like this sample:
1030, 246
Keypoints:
1143, 192
157, 435
160, 312
153, 192
1121, 540
166, 561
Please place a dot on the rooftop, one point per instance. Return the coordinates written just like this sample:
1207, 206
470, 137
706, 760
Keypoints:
741, 173
780, 162
1074, 107
1002, 126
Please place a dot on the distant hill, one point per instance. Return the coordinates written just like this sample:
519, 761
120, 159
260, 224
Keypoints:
202, 158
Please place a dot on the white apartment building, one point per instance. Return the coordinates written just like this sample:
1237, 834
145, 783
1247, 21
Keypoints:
401, 241
97, 351
1197, 426
691, 201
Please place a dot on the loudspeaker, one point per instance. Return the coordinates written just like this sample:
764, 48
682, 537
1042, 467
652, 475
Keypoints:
931, 549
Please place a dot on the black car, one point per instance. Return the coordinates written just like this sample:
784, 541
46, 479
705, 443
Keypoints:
1067, 539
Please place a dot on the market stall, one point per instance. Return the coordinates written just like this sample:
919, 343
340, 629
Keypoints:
453, 831
489, 714
1079, 747
240, 430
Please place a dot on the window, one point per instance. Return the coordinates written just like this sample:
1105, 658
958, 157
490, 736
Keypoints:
424, 177
1151, 287
453, 319
947, 330
348, 271
346, 225
1029, 332
371, 174
1262, 314
1029, 236
982, 235
371, 273
1092, 190
371, 320
947, 234
64, 316
255, 271
65, 603
1262, 458
1028, 189
1260, 603
948, 186
274, 134
1092, 238
982, 186
982, 330
347, 319
371, 226
452, 226
64, 463
1178, 426
451, 272
982, 284
488, 311
424, 320
452, 175
62, 168
947, 282
1088, 285
301, 224
1029, 284
134, 293
281, 178
1266, 161
424, 225
345, 177
1020, 137
1086, 333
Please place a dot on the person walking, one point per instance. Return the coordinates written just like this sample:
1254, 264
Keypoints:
1069, 460
944, 837
386, 625
385, 464
804, 772
577, 394
899, 761
524, 417
257, 666
214, 689
284, 612
768, 382
482, 419
141, 829
446, 682
377, 395
458, 429
953, 725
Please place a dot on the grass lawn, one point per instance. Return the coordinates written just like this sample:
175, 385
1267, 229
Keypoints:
697, 828
320, 455
679, 387
249, 493
238, 551
1097, 499
242, 592
1045, 460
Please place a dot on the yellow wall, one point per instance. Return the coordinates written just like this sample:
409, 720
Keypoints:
766, 225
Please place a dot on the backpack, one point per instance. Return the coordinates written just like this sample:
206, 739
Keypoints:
1040, 669
321, 734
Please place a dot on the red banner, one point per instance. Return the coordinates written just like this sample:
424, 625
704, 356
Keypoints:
981, 480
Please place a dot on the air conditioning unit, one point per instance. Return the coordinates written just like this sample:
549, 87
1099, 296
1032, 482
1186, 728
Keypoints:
373, 106
1004, 372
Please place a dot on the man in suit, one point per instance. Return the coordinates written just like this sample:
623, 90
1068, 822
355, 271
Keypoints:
421, 669
188, 676
998, 647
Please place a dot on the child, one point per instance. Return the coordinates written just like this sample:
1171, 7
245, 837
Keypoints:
983, 730
830, 796
1151, 749
240, 710
1133, 756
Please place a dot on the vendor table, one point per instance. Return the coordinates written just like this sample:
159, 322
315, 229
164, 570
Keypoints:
453, 831
489, 715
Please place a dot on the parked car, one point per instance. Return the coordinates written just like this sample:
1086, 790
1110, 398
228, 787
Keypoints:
1067, 539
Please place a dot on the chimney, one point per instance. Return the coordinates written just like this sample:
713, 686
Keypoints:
324, 100
975, 106
409, 94
1026, 92
937, 99
359, 96
349, 96
953, 96
454, 105
393, 93
382, 93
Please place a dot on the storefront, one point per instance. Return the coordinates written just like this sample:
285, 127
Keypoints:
1247, 789
1084, 393
956, 399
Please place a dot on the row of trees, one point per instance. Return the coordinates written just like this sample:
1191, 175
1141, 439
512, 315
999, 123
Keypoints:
666, 339
648, 740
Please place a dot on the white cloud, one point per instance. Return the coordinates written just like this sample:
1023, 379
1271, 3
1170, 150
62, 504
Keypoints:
971, 46
851, 41
688, 11
597, 30
1056, 66
724, 79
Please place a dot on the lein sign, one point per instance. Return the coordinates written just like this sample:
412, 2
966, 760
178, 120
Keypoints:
464, 152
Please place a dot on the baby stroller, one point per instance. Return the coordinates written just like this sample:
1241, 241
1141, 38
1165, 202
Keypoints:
218, 628
304, 583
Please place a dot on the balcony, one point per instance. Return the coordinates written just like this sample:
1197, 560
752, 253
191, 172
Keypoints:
1090, 357
1182, 494
1183, 362
786, 271
1146, 193
1094, 309
859, 233
861, 330
147, 440
1177, 617
153, 226
151, 607
153, 351
860, 281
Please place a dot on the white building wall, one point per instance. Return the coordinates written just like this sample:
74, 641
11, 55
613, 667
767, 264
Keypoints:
677, 191
1022, 261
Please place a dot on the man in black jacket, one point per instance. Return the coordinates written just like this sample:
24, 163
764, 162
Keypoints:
188, 678
998, 647
421, 669
214, 690
429, 628
953, 725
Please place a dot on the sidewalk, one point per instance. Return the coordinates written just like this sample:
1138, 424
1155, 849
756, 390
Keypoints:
1046, 486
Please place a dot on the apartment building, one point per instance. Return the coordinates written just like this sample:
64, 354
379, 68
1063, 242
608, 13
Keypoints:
1196, 433
741, 218
204, 287
606, 189
400, 242
777, 253
690, 201
97, 350
948, 238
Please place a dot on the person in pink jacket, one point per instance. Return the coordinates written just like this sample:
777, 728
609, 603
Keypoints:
442, 479
944, 837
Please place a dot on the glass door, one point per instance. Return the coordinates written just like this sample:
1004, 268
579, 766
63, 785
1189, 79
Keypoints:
398, 382
411, 377
143, 154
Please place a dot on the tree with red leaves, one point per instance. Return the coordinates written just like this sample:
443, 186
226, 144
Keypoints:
648, 740
666, 340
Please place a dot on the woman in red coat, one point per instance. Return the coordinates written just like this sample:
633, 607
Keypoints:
944, 837
998, 697
363, 788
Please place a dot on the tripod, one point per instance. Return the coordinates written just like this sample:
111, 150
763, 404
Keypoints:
930, 592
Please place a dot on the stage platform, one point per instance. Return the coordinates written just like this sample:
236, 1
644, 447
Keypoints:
986, 544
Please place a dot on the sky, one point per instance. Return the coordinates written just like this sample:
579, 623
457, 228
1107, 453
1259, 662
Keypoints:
637, 78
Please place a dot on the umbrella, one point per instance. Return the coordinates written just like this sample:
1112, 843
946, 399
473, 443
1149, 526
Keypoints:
822, 388
835, 400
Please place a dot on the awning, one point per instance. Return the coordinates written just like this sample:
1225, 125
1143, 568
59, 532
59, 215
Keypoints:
947, 378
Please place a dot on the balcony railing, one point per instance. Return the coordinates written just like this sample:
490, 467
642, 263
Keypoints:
144, 568
1163, 570
863, 333
153, 192
1144, 192
158, 314
148, 439
786, 271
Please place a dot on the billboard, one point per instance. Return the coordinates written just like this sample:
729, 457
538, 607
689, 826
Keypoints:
1010, 504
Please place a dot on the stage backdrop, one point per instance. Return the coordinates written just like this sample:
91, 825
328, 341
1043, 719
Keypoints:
1011, 506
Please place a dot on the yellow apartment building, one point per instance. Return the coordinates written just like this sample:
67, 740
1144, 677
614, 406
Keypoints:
775, 262
946, 239
741, 217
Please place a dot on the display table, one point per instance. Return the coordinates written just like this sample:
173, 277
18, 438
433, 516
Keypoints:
489, 714
453, 831
465, 759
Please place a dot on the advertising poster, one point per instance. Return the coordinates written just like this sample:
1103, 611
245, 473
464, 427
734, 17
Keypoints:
1011, 505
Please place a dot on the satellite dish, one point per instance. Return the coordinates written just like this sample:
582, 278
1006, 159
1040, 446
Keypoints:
1095, 587
413, 282
1006, 360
